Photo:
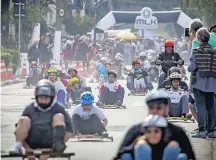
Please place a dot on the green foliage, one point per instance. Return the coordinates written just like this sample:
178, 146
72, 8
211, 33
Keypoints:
14, 57
14, 53
7, 57
206, 9
33, 16
78, 25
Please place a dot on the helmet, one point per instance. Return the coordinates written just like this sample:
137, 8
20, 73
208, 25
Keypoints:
155, 121
73, 80
142, 55
174, 69
86, 98
169, 43
112, 72
52, 63
157, 96
58, 68
52, 70
175, 75
33, 63
138, 71
45, 88
103, 59
108, 63
72, 69
136, 61
149, 57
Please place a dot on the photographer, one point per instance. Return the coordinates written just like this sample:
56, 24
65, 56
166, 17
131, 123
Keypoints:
202, 63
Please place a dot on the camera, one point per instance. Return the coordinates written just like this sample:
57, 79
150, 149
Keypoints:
186, 32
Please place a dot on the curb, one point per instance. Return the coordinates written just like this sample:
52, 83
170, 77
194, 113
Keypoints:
12, 81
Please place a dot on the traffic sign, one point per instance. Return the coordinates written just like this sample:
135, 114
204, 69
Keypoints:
146, 20
61, 12
19, 8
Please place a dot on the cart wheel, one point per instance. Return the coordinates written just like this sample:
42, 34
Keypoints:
124, 106
129, 94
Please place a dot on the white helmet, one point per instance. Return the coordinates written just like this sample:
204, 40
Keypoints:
58, 68
53, 63
155, 121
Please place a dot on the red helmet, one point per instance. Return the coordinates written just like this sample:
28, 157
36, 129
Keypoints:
169, 43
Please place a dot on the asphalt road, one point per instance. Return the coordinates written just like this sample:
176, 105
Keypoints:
14, 99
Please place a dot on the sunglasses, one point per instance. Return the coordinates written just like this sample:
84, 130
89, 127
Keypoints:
52, 74
155, 131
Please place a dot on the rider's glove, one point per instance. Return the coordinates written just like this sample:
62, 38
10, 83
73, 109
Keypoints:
158, 62
180, 62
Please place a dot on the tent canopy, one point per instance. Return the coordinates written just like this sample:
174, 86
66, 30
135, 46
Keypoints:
114, 17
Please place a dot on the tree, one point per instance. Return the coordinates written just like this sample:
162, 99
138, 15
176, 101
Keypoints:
78, 25
32, 18
206, 9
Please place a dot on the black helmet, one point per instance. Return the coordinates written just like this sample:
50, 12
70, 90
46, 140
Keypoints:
174, 69
72, 69
45, 88
112, 72
157, 96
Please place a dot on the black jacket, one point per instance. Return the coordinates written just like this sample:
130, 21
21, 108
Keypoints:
175, 134
168, 60
33, 53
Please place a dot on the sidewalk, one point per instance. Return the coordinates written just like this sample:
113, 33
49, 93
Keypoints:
12, 81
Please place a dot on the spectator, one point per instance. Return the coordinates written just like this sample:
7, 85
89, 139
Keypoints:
213, 29
75, 43
194, 26
204, 83
82, 52
34, 52
68, 55
45, 51
128, 52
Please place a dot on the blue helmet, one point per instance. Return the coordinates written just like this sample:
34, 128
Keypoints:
157, 96
86, 98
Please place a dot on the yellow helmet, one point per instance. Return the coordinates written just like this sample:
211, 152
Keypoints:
33, 63
52, 70
73, 80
